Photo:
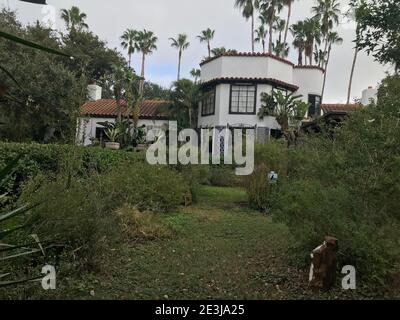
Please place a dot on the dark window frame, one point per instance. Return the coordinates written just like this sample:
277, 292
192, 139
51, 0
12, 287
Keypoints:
214, 92
255, 98
312, 105
280, 89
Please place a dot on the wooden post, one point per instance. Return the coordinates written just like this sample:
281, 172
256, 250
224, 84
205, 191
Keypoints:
324, 265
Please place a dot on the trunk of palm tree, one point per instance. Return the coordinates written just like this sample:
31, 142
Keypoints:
209, 49
288, 21
325, 51
141, 86
300, 58
326, 70
263, 44
129, 60
190, 117
252, 32
179, 64
352, 74
270, 37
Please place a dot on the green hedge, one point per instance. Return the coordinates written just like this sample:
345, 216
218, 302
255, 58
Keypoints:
51, 158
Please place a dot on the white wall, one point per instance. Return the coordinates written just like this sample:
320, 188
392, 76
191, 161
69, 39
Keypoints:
247, 67
309, 81
87, 127
223, 118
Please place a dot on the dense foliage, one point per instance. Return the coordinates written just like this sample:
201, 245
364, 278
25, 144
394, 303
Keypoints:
345, 187
52, 159
379, 29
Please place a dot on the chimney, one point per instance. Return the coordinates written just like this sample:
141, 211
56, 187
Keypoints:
369, 96
94, 92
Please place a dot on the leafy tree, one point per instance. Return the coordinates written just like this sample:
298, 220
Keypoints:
379, 29
44, 108
153, 91
146, 44
181, 43
128, 42
286, 108
93, 58
207, 36
185, 96
74, 19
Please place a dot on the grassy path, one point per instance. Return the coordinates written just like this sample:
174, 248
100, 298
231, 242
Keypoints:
221, 250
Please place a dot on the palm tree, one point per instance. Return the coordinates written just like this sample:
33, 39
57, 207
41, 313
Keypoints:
196, 74
221, 51
261, 35
319, 56
280, 49
299, 42
328, 12
312, 30
288, 109
333, 38
287, 3
181, 43
207, 36
279, 26
146, 44
248, 10
74, 19
269, 10
128, 43
353, 14
186, 96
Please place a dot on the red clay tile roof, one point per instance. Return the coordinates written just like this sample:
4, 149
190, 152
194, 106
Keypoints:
340, 107
247, 54
108, 108
310, 67
256, 80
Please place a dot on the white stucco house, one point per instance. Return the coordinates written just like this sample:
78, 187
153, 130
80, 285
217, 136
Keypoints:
98, 110
234, 82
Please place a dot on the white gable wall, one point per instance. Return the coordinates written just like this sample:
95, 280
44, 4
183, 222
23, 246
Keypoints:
87, 127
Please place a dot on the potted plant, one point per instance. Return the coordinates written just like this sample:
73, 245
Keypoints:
112, 134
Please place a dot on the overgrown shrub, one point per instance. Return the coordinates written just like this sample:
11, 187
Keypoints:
348, 188
268, 157
52, 158
148, 187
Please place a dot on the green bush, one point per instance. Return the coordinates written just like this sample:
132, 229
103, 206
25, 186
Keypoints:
81, 213
348, 188
53, 158
271, 156
148, 187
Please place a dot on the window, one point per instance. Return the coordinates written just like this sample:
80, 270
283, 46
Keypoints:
314, 109
208, 103
243, 99
276, 89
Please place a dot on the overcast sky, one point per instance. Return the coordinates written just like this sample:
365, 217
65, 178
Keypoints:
167, 18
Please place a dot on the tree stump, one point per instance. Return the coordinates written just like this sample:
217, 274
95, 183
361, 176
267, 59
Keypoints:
324, 265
